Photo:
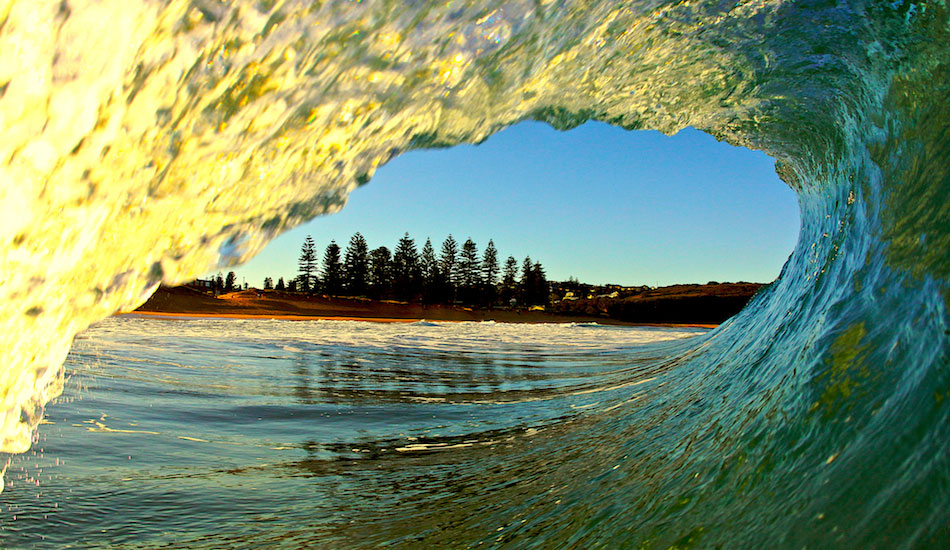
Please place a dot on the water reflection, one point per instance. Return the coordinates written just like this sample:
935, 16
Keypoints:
301, 377
328, 436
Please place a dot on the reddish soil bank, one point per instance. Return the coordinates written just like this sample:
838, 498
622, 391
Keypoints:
274, 304
709, 303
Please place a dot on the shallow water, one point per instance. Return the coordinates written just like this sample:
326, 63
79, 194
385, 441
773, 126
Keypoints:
280, 434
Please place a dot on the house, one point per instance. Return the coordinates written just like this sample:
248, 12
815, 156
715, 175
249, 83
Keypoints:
201, 284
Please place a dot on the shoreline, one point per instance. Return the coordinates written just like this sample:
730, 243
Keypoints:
186, 303
171, 316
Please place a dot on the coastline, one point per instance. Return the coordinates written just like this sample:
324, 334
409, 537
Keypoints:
183, 303
407, 320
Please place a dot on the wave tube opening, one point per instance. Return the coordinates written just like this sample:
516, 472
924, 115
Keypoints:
599, 203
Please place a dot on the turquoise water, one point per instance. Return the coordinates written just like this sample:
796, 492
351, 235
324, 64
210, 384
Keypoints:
278, 434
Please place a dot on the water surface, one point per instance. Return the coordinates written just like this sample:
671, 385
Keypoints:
286, 434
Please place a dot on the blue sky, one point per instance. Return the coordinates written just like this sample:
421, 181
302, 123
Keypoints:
598, 203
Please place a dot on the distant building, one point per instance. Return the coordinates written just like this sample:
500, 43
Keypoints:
201, 284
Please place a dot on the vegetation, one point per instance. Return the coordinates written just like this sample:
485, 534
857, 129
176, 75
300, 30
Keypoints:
459, 275
307, 263
456, 276
356, 266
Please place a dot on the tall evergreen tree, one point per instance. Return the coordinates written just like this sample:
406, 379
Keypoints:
510, 277
307, 265
406, 272
356, 265
448, 265
540, 291
230, 282
489, 273
490, 264
469, 272
268, 283
448, 260
379, 272
469, 265
280, 284
332, 270
429, 266
509, 280
525, 285
219, 282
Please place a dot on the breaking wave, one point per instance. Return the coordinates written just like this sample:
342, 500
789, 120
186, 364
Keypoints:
150, 141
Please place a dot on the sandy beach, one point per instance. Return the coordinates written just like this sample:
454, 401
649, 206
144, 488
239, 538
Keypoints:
183, 303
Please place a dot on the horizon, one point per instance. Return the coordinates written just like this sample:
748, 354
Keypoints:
586, 203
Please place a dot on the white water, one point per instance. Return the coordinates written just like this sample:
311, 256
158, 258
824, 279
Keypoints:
425, 335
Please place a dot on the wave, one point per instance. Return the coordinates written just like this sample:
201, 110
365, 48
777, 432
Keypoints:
191, 132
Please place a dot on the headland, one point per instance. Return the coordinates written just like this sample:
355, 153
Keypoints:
679, 305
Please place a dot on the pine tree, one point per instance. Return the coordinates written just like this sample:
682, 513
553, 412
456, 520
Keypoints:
405, 270
448, 261
448, 265
229, 282
268, 283
332, 270
540, 291
510, 280
379, 272
511, 272
469, 272
469, 266
431, 280
356, 265
219, 281
307, 264
280, 284
490, 264
526, 284
489, 273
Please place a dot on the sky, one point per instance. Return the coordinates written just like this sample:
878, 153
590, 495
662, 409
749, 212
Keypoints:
598, 203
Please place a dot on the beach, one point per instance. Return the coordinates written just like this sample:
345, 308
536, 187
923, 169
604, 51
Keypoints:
184, 302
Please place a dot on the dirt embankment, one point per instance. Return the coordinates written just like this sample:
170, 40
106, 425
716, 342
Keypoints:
688, 303
274, 304
695, 305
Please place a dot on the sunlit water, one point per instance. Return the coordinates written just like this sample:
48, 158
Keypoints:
278, 434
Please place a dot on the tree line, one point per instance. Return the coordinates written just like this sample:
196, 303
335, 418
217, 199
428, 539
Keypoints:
454, 275
220, 283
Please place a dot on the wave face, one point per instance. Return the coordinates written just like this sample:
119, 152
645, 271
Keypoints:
151, 141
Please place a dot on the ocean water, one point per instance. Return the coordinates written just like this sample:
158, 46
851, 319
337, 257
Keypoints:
294, 434
148, 141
